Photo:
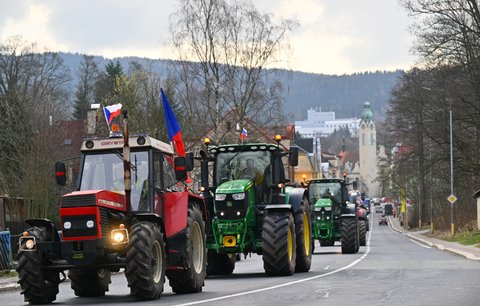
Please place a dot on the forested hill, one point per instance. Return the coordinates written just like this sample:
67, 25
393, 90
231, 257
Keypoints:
343, 94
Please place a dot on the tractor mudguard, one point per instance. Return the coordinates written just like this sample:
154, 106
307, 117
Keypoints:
295, 198
348, 215
278, 206
54, 236
175, 212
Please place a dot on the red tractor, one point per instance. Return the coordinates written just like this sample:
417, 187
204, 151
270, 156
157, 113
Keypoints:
130, 211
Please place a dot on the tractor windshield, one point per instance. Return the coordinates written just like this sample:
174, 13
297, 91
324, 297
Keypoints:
105, 171
325, 190
254, 165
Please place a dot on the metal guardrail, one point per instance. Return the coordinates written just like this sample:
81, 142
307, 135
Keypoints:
5, 251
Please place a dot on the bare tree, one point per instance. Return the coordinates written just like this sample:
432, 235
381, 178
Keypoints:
225, 48
85, 91
33, 95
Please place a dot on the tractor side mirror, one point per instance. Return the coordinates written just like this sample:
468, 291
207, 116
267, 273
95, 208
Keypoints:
180, 168
189, 161
293, 157
60, 173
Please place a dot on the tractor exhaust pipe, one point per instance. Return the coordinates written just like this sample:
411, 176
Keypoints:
127, 180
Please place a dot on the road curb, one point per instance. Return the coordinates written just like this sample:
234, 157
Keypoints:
439, 246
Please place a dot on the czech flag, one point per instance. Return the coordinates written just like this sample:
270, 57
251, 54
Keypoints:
111, 112
244, 134
174, 133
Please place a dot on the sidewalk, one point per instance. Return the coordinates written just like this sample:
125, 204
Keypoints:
468, 251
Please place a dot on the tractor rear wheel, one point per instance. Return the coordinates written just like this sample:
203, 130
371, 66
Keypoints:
89, 282
39, 286
191, 279
349, 236
304, 238
278, 237
220, 264
146, 261
363, 232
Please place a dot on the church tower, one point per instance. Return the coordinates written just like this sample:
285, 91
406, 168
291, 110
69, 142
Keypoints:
368, 152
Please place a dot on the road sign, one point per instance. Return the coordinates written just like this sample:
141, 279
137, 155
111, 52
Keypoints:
452, 198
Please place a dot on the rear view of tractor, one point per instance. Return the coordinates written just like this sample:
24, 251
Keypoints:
334, 218
253, 211
131, 211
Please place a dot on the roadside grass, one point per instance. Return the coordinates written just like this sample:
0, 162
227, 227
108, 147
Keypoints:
11, 273
465, 237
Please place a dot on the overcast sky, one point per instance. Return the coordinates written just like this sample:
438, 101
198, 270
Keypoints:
334, 37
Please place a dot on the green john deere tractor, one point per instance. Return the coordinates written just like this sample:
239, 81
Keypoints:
252, 211
334, 218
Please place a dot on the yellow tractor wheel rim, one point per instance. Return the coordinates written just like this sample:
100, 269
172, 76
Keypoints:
306, 233
290, 244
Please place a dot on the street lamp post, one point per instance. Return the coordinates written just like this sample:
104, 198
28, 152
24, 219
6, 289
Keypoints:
452, 207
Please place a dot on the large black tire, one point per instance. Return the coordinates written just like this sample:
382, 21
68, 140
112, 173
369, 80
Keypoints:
304, 239
89, 282
39, 286
279, 243
363, 232
220, 264
191, 280
367, 223
349, 236
327, 243
146, 261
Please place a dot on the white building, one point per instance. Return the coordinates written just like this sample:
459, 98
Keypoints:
323, 124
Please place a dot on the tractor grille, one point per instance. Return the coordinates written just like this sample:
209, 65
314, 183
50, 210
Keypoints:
104, 222
78, 226
79, 200
230, 208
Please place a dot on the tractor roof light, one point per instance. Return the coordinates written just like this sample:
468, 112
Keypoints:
206, 141
278, 138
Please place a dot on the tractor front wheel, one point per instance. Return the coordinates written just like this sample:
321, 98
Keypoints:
89, 282
146, 261
278, 237
349, 236
220, 264
363, 233
39, 286
191, 279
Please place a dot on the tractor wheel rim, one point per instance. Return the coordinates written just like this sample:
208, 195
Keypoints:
158, 266
306, 233
197, 248
290, 244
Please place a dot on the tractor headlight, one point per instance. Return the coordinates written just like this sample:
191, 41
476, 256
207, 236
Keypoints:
238, 213
119, 236
220, 197
90, 223
30, 244
67, 225
238, 196
222, 213
319, 218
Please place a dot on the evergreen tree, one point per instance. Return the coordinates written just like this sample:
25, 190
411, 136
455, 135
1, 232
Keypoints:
85, 91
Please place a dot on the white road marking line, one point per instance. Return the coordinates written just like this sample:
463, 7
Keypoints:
420, 244
285, 284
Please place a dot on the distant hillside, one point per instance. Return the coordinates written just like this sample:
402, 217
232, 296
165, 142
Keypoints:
343, 94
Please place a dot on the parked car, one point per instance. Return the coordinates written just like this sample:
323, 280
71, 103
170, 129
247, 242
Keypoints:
383, 220
379, 210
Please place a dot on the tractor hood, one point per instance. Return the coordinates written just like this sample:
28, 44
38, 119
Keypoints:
235, 186
323, 203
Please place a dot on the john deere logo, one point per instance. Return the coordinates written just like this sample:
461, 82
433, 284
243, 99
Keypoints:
229, 204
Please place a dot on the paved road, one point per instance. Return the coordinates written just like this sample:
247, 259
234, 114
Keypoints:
391, 270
